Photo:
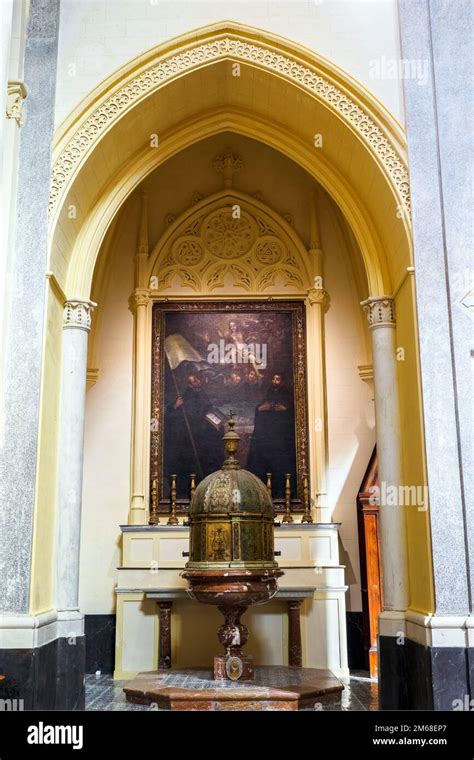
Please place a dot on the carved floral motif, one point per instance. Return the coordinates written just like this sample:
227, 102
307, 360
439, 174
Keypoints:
226, 237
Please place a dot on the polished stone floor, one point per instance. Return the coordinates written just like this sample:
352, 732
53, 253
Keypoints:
103, 693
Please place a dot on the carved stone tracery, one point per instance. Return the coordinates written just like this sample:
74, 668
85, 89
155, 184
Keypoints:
227, 237
227, 46
229, 247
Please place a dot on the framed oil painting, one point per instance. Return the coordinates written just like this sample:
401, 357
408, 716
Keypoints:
211, 359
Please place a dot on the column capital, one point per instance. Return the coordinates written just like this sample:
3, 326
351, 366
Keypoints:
16, 95
78, 314
139, 297
380, 311
320, 296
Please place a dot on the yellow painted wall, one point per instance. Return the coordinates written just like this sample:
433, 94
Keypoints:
413, 455
43, 567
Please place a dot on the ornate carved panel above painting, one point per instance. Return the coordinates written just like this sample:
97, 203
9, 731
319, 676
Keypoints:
211, 358
230, 243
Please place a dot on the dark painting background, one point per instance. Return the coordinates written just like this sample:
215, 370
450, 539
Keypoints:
191, 443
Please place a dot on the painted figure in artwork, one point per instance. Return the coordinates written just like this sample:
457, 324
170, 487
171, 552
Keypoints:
196, 440
273, 439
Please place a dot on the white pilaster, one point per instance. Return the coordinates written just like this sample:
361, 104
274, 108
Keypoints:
381, 318
317, 305
318, 302
139, 303
76, 326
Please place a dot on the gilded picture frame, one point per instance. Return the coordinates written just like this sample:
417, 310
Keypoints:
256, 340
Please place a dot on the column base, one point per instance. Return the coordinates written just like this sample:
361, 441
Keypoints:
414, 676
49, 677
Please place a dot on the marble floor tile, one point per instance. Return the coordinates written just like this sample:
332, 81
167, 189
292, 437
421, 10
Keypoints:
103, 693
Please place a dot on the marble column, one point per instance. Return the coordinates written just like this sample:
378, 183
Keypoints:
164, 650
436, 36
77, 321
381, 318
439, 34
22, 297
295, 651
139, 303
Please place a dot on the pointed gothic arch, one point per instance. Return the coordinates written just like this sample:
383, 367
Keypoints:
94, 178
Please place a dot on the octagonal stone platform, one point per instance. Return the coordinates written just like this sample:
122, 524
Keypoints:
274, 688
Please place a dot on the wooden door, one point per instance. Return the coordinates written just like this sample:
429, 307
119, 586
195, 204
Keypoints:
370, 565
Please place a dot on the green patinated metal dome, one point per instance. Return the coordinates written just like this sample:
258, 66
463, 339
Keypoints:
230, 490
231, 517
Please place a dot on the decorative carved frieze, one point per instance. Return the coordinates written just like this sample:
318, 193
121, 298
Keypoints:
227, 47
78, 314
15, 98
380, 312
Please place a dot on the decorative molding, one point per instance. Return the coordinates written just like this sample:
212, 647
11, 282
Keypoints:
380, 312
78, 314
139, 297
16, 96
92, 377
228, 47
427, 629
366, 372
227, 164
320, 296
56, 287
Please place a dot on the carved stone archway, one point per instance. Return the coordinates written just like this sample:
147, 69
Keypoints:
142, 91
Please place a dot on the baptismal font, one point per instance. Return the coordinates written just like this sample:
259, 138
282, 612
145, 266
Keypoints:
231, 555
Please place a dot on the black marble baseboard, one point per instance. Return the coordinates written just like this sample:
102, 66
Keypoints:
50, 677
100, 643
357, 654
416, 677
